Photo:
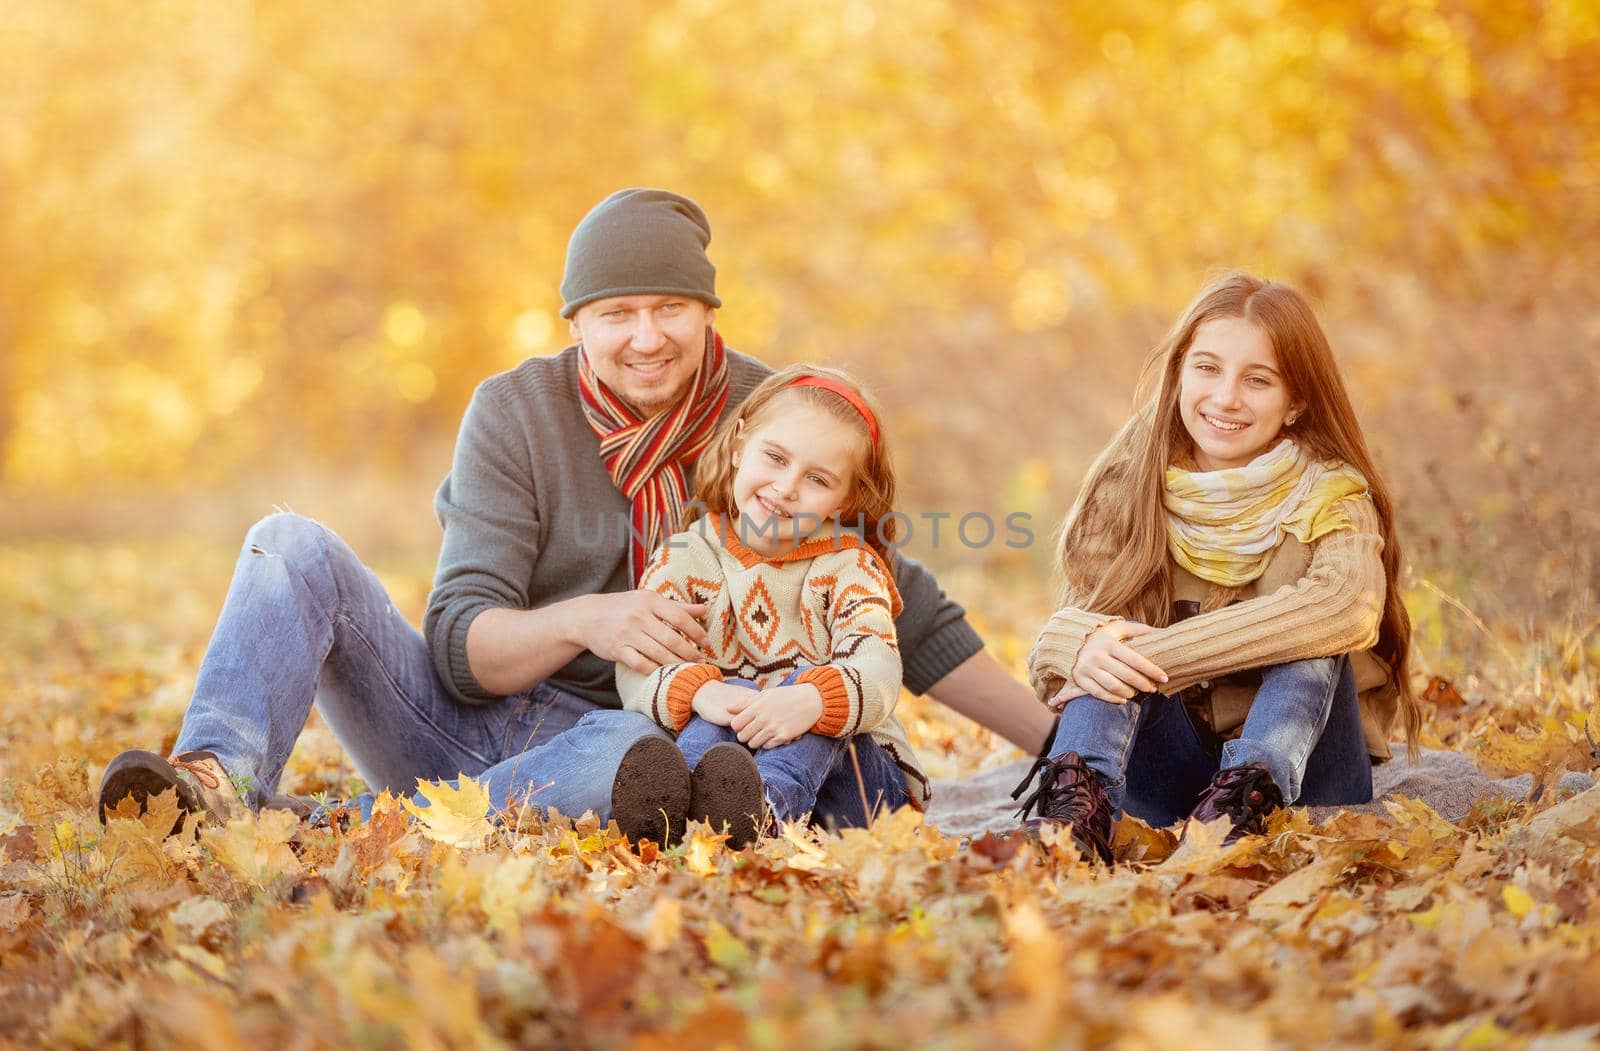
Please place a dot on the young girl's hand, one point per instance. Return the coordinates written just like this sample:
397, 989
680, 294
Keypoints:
1110, 669
778, 715
718, 702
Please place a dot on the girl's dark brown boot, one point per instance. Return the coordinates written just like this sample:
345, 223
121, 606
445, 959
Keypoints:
1069, 793
725, 792
650, 794
1244, 794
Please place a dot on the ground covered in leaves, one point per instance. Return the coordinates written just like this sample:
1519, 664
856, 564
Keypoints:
1399, 930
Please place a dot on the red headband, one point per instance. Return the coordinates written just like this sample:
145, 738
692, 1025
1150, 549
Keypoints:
848, 395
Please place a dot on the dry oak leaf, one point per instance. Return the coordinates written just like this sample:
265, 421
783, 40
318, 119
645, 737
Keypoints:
457, 816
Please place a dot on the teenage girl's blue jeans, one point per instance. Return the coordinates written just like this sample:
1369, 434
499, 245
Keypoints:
1304, 725
811, 774
304, 620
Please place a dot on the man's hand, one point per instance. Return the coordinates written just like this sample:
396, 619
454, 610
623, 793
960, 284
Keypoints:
642, 629
718, 702
778, 715
1110, 669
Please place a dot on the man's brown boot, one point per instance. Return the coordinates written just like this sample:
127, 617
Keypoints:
202, 785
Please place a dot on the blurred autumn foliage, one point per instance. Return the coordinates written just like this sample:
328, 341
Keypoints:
293, 233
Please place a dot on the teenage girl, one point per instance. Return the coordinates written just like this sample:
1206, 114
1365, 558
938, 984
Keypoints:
1231, 638
789, 713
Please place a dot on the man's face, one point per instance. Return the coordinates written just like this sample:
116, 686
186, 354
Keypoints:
645, 348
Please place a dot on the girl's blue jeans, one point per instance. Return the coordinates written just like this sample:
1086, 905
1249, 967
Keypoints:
812, 774
1304, 726
306, 621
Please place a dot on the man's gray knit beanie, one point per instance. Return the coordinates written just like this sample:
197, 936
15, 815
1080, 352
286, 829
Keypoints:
640, 242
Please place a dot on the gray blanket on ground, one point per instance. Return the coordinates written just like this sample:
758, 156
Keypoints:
1446, 781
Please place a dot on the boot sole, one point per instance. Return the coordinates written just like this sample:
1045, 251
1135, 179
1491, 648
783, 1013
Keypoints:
725, 792
651, 792
142, 774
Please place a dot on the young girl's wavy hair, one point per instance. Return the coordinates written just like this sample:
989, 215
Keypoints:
871, 503
1119, 510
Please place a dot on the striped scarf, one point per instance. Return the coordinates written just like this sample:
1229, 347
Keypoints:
1223, 526
648, 459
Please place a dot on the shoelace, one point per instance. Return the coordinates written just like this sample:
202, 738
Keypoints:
197, 770
1232, 788
1047, 794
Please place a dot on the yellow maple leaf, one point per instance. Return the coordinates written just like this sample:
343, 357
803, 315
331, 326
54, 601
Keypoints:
196, 917
1202, 849
808, 856
135, 845
256, 846
457, 816
1299, 887
663, 924
725, 950
1518, 901
510, 890
159, 816
701, 857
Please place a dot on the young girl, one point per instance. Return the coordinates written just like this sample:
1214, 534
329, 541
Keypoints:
789, 713
1231, 637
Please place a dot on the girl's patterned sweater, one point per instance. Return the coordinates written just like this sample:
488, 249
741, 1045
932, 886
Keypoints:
828, 605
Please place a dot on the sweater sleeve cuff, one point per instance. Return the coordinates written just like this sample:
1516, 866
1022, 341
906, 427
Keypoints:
685, 684
1055, 653
829, 682
457, 673
939, 654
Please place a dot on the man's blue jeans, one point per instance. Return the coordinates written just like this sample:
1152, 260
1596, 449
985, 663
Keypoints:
1304, 725
305, 620
812, 774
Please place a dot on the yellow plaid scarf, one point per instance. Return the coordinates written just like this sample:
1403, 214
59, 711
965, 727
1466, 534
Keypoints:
1223, 526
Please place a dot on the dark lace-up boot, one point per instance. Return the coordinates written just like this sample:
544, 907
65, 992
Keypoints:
1244, 794
1069, 793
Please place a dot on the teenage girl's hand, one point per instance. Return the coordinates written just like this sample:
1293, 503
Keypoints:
1110, 669
778, 715
642, 629
718, 702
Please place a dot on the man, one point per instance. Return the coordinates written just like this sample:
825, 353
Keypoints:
564, 472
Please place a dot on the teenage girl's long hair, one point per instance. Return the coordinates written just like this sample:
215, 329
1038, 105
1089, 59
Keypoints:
1119, 512
871, 504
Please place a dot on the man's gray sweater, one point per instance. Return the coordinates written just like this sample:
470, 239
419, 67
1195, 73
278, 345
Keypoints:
531, 518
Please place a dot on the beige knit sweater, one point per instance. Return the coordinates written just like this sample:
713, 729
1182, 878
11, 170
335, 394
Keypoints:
828, 604
1316, 600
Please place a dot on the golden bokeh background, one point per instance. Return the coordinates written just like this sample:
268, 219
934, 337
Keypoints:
246, 243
